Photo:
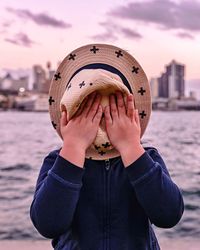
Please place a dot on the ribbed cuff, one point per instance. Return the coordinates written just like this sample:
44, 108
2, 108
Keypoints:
67, 170
140, 167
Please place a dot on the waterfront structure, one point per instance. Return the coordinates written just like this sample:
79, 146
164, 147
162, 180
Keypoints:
42, 78
8, 82
193, 95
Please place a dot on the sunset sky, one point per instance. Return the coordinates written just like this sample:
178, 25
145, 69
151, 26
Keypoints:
153, 31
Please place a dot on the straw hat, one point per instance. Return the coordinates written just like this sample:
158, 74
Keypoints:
104, 68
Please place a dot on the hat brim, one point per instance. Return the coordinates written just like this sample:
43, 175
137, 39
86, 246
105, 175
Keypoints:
105, 54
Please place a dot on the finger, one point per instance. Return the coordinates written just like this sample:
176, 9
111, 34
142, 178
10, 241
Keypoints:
120, 103
108, 118
63, 119
137, 118
81, 106
130, 107
94, 107
88, 104
98, 115
113, 107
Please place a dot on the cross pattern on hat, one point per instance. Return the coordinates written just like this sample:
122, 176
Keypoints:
97, 147
119, 53
51, 100
57, 76
135, 70
102, 152
82, 84
94, 49
141, 91
54, 124
72, 57
142, 114
106, 145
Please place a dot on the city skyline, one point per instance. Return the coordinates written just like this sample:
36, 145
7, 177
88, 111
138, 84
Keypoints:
28, 79
154, 32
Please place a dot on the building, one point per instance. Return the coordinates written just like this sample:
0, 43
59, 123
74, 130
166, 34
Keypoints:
42, 78
171, 82
154, 87
163, 86
6, 82
39, 78
176, 81
10, 83
50, 74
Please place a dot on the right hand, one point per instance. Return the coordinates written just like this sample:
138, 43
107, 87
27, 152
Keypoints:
82, 128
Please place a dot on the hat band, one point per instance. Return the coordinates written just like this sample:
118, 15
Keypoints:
105, 67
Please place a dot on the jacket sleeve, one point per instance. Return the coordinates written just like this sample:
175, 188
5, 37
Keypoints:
56, 195
159, 196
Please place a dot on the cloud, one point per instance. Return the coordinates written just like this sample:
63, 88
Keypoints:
7, 24
185, 35
130, 33
112, 31
106, 36
4, 25
167, 14
20, 39
40, 19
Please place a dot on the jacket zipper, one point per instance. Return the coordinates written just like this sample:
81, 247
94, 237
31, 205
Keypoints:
107, 184
107, 162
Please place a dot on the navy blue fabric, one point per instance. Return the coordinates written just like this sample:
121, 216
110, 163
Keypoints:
106, 67
93, 208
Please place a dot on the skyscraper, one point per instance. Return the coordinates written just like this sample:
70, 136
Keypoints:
39, 76
154, 87
176, 79
172, 83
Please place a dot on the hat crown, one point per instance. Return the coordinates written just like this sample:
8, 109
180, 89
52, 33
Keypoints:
84, 83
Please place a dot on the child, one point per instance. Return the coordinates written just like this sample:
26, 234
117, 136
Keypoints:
87, 204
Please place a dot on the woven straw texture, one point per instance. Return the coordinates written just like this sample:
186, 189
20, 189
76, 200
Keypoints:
67, 92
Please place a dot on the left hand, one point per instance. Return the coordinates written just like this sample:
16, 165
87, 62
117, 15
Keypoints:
122, 126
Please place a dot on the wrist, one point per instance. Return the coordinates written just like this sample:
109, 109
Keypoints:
75, 145
131, 153
73, 153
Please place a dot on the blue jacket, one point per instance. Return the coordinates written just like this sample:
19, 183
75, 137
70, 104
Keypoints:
105, 206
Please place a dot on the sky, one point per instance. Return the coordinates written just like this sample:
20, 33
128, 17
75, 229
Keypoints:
154, 31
